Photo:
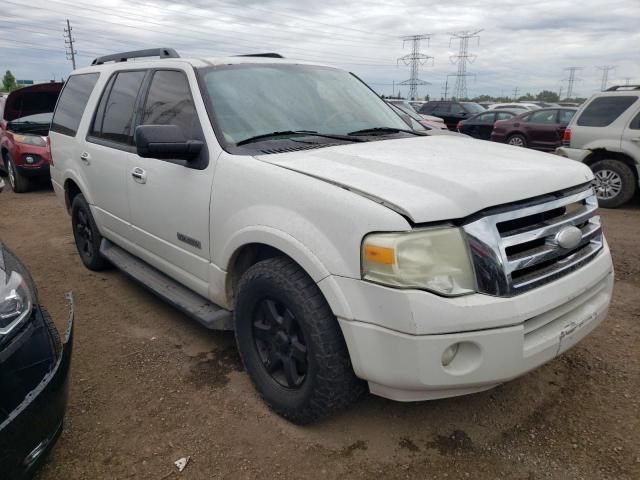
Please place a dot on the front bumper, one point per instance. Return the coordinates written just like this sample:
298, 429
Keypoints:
32, 427
396, 339
576, 154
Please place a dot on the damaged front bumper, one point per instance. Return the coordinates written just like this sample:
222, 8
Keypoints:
28, 432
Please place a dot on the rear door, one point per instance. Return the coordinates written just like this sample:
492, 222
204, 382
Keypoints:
541, 129
170, 199
483, 125
106, 153
631, 139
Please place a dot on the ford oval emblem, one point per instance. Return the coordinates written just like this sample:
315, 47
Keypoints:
569, 237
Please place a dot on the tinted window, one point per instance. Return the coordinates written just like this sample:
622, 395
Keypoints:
119, 108
635, 123
428, 107
72, 103
503, 115
169, 102
456, 108
564, 116
545, 116
485, 118
604, 110
473, 107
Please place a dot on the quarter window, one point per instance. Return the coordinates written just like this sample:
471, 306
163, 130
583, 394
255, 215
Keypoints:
605, 110
72, 102
169, 102
115, 115
503, 115
635, 123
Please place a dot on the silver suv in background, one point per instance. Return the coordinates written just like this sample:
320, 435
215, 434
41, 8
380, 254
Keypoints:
605, 135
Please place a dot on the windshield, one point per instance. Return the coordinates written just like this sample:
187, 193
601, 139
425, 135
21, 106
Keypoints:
249, 100
473, 107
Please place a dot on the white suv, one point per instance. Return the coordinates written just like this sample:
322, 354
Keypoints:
288, 202
605, 135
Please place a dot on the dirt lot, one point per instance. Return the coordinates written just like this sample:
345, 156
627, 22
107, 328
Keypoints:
150, 386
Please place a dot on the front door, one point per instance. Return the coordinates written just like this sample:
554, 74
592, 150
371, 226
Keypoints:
170, 200
541, 129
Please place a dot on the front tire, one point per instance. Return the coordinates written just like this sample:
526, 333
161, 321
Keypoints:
517, 140
291, 344
614, 183
86, 234
19, 183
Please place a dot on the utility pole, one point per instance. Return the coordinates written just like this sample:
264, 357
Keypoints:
460, 89
515, 94
605, 75
571, 80
446, 88
415, 59
68, 45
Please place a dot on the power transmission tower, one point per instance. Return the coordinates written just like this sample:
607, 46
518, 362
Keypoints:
627, 80
515, 94
571, 80
605, 75
68, 45
415, 59
463, 57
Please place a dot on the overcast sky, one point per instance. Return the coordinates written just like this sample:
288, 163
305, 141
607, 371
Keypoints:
524, 44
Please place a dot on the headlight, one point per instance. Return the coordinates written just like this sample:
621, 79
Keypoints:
15, 301
30, 140
433, 259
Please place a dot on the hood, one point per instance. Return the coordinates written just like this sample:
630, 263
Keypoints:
436, 178
25, 101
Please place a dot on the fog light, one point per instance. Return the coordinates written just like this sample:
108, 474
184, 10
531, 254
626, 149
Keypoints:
449, 354
29, 159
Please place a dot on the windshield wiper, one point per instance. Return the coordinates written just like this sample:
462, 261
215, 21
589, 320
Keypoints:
383, 131
290, 133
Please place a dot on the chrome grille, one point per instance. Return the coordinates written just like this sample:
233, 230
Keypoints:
520, 248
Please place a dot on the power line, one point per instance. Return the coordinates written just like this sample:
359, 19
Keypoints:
571, 80
415, 59
605, 75
463, 57
68, 45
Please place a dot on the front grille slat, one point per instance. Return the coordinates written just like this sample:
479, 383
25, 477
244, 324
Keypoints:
518, 249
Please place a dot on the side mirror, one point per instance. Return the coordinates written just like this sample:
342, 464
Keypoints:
165, 142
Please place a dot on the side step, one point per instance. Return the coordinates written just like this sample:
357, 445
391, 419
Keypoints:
208, 314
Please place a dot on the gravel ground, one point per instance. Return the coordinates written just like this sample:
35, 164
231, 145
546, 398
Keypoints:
150, 386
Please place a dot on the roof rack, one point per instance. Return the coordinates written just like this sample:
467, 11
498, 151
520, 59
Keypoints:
123, 57
615, 88
264, 55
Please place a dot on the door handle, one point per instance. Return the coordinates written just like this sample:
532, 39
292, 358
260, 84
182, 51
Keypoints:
637, 139
139, 175
85, 157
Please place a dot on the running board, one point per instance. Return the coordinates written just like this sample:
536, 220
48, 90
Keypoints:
199, 308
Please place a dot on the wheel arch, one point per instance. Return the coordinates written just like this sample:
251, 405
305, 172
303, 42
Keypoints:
72, 187
598, 154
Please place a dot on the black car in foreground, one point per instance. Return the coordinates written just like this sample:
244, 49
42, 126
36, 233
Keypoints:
34, 368
481, 125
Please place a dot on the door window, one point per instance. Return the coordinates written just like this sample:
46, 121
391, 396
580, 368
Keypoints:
72, 102
442, 108
544, 117
457, 109
115, 114
635, 123
503, 115
604, 110
169, 102
565, 116
485, 118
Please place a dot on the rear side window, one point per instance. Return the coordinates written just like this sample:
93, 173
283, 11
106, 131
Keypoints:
428, 107
72, 102
545, 117
115, 114
169, 102
503, 116
604, 110
485, 118
565, 116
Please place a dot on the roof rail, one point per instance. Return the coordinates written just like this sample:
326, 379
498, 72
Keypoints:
123, 57
615, 88
265, 55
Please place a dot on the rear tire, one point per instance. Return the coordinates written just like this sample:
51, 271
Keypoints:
291, 344
86, 235
517, 140
19, 183
614, 182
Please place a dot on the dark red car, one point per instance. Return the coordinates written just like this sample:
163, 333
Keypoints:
24, 131
540, 129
